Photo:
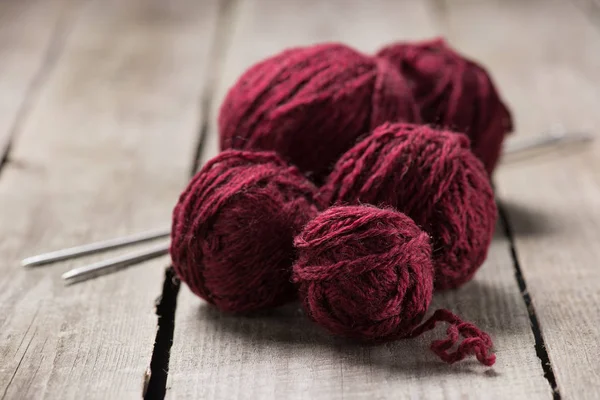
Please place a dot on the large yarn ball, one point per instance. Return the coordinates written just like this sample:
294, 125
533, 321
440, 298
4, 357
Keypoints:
310, 104
432, 177
364, 272
234, 227
454, 92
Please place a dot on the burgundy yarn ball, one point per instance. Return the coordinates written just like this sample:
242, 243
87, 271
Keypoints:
310, 104
234, 226
364, 272
455, 93
432, 177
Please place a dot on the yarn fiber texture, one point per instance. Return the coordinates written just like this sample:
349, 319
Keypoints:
310, 104
233, 230
366, 273
432, 177
454, 92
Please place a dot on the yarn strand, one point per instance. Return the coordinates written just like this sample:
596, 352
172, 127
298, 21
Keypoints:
475, 340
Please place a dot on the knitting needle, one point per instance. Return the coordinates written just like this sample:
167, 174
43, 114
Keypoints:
92, 248
92, 270
513, 147
522, 145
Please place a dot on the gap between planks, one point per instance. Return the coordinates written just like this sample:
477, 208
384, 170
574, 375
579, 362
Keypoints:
155, 379
53, 49
439, 10
55, 339
549, 76
540, 345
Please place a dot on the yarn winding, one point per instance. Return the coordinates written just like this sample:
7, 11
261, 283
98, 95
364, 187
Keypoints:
233, 230
454, 92
432, 177
366, 273
310, 104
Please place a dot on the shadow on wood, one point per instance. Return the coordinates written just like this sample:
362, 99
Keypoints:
285, 331
527, 221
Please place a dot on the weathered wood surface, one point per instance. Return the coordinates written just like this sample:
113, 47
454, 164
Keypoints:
103, 102
104, 150
31, 38
546, 58
280, 354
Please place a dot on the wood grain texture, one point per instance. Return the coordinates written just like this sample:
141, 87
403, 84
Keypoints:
31, 39
551, 77
104, 151
280, 354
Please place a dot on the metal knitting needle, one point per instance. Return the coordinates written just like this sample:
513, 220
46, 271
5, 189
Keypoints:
516, 146
92, 270
96, 247
512, 147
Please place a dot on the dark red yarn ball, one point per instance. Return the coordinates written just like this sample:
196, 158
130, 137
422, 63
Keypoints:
364, 272
310, 104
233, 230
455, 93
432, 177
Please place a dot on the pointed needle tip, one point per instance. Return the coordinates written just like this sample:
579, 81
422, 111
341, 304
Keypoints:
28, 262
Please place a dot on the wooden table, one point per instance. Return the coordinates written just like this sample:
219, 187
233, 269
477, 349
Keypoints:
107, 107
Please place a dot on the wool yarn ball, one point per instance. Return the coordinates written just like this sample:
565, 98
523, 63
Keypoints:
310, 104
234, 226
431, 176
454, 92
364, 272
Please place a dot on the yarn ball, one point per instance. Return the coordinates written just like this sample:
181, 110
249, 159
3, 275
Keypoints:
454, 92
364, 272
310, 104
432, 177
234, 226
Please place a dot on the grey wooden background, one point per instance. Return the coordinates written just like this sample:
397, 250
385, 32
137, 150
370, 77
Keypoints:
103, 105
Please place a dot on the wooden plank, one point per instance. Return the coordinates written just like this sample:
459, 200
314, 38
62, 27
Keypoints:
280, 354
550, 76
31, 38
105, 151
591, 8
